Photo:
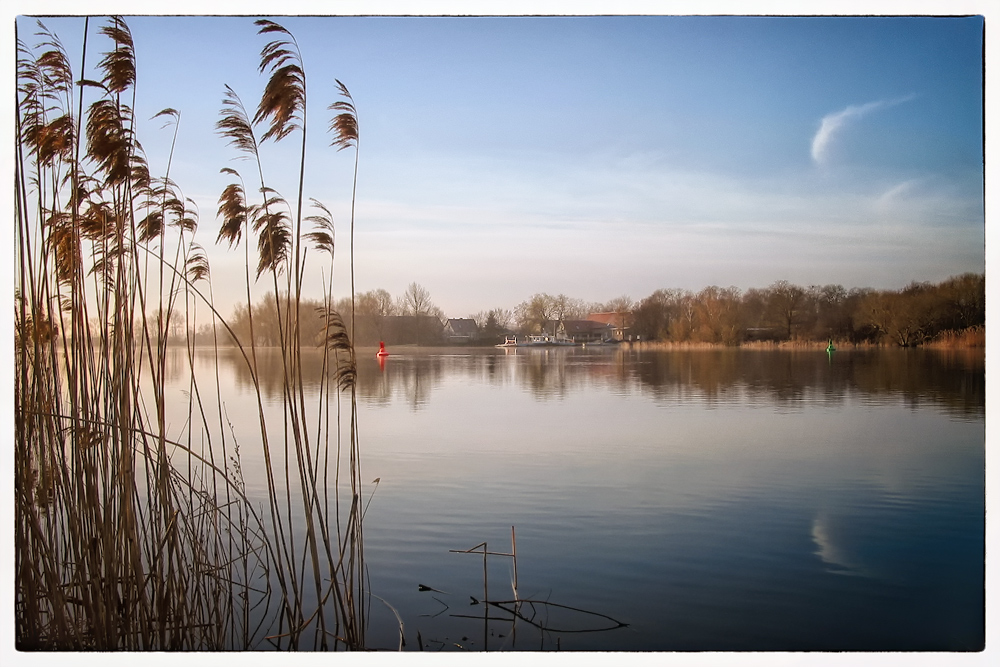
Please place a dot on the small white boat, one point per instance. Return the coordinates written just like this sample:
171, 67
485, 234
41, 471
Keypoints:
547, 340
536, 340
508, 341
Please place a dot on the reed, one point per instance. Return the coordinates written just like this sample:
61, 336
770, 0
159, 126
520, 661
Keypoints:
749, 345
129, 536
971, 337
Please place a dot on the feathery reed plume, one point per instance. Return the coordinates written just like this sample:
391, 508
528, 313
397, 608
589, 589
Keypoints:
108, 140
272, 224
233, 211
46, 86
141, 180
53, 63
235, 124
197, 264
172, 116
338, 340
65, 244
283, 101
151, 226
119, 64
187, 219
344, 125
51, 140
109, 135
323, 236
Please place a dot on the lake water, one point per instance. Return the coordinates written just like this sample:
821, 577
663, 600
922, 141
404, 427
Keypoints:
707, 500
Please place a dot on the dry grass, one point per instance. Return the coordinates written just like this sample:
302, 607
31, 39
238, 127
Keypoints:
747, 345
973, 337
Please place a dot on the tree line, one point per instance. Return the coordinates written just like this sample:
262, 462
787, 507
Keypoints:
782, 311
915, 314
412, 317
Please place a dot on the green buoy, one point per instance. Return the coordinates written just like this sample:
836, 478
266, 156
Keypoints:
830, 347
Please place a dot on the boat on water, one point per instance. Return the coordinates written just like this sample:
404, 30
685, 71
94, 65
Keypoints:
537, 340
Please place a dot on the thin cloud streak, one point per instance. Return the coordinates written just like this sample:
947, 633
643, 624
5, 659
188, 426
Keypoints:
833, 122
896, 192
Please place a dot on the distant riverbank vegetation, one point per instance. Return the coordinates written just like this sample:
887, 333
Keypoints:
952, 312
947, 314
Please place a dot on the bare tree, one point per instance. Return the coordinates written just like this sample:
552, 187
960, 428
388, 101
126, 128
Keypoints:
719, 314
377, 302
784, 302
416, 300
568, 308
533, 315
622, 307
683, 324
372, 309
493, 323
503, 318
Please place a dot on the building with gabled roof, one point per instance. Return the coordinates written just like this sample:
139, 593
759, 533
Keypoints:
584, 331
460, 330
620, 322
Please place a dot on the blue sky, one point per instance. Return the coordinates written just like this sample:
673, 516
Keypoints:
599, 156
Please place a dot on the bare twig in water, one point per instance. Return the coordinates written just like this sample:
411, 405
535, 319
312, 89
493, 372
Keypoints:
446, 608
518, 603
422, 588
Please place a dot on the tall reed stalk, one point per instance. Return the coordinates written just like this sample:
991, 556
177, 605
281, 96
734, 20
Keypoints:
127, 535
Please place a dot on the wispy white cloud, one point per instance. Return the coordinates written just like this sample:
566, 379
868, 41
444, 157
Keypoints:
833, 122
897, 192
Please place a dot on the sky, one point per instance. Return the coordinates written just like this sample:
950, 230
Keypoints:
593, 156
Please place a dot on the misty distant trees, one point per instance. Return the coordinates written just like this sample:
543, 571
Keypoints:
269, 321
781, 311
410, 318
543, 312
493, 324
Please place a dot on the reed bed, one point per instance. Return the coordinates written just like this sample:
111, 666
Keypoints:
129, 536
971, 337
754, 345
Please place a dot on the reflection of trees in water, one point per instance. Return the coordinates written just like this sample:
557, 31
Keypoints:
176, 365
414, 376
545, 374
409, 377
954, 379
718, 374
557, 372
269, 369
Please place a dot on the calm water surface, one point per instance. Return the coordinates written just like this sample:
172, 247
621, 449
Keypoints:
710, 500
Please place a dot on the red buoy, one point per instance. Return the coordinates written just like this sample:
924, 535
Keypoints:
381, 350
